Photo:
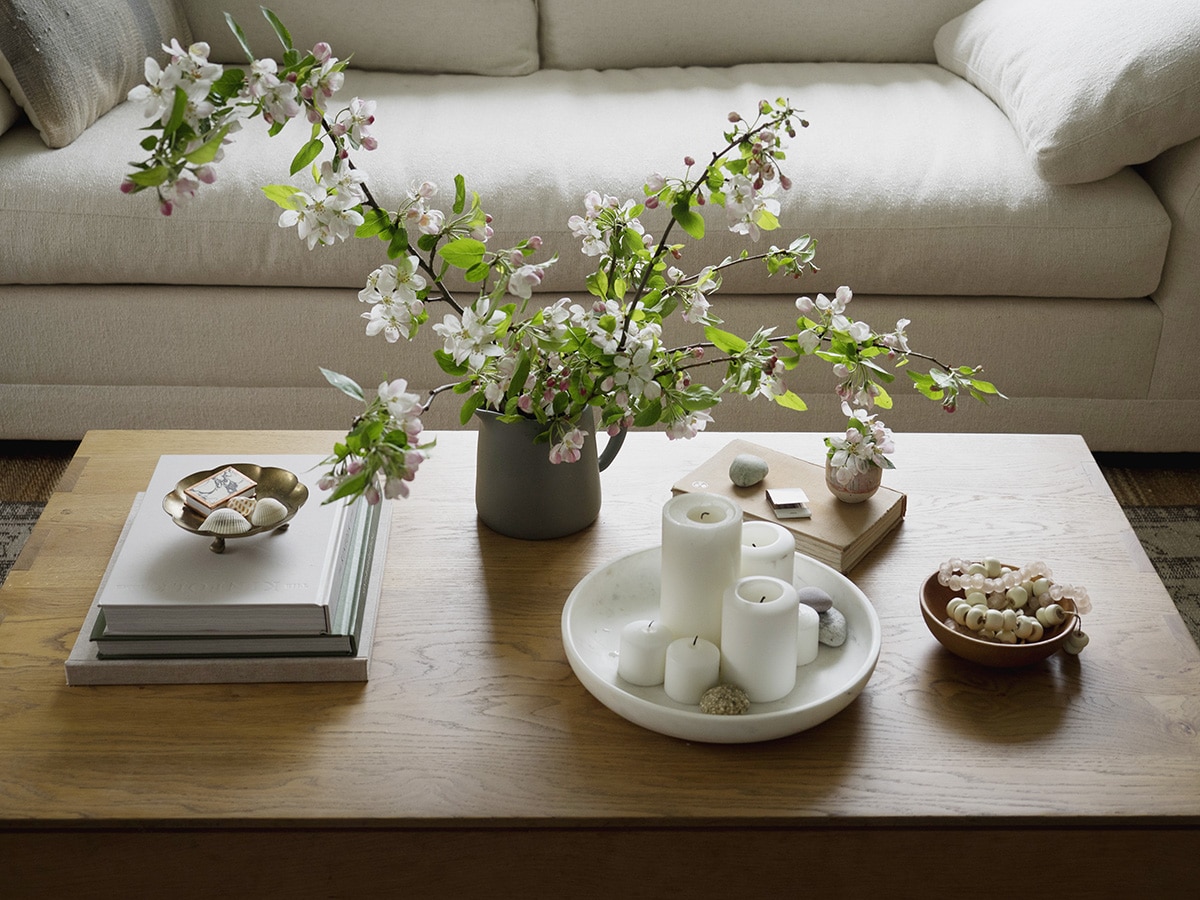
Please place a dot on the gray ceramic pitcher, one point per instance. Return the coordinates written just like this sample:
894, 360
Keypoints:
521, 494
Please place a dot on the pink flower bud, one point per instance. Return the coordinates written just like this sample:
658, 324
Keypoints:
535, 242
734, 117
207, 174
369, 143
652, 202
785, 182
688, 161
128, 187
322, 51
165, 207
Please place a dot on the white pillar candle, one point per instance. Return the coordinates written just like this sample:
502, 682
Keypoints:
759, 626
693, 666
642, 658
768, 549
807, 637
701, 555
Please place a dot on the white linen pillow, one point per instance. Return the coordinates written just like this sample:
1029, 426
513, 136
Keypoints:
68, 62
9, 111
1090, 86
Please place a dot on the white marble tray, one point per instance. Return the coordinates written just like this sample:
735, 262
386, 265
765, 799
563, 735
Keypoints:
627, 589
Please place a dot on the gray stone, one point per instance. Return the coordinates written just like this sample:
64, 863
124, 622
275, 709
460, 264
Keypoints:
747, 470
832, 630
815, 597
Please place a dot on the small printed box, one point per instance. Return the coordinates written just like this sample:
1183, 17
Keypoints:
789, 503
218, 489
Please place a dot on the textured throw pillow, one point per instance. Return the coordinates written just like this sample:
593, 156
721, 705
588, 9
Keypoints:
68, 62
1089, 85
9, 111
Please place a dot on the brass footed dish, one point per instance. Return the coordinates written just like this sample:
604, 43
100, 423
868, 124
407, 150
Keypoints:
277, 484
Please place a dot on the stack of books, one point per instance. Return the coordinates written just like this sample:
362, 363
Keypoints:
296, 604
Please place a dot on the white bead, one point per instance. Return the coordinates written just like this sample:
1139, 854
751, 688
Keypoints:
1010, 620
1076, 642
977, 568
1040, 586
975, 616
991, 567
1017, 596
993, 620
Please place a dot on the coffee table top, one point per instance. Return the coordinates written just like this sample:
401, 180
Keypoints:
472, 714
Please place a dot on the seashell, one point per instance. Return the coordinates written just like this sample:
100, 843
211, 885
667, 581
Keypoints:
225, 521
747, 470
243, 505
268, 511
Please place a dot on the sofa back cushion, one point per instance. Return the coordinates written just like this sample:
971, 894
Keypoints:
68, 62
1090, 86
483, 37
624, 34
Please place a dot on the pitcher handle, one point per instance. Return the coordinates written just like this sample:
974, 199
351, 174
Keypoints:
612, 448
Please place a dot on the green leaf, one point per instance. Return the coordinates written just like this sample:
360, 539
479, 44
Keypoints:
471, 404
307, 154
462, 253
240, 35
791, 400
229, 83
177, 111
883, 399
375, 221
698, 397
149, 143
343, 383
427, 242
724, 341
478, 272
765, 220
284, 37
398, 246
281, 195
985, 387
207, 151
689, 220
648, 415
521, 372
150, 177
460, 194
352, 486
449, 366
597, 283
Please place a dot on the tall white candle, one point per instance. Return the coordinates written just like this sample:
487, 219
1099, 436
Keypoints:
693, 666
768, 549
759, 626
642, 657
701, 555
808, 635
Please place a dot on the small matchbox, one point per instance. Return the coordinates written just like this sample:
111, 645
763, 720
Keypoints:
789, 503
218, 489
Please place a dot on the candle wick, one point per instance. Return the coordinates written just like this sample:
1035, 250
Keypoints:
702, 515
695, 639
752, 544
764, 597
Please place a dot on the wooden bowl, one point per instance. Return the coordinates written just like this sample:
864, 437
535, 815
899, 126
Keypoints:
935, 596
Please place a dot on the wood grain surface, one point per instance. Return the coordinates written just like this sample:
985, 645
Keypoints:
473, 724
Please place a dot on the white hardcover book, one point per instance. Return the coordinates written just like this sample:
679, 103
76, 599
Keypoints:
165, 580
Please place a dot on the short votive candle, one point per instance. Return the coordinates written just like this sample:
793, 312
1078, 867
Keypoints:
693, 666
808, 635
642, 658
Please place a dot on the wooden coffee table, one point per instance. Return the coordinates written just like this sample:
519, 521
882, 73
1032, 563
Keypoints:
474, 760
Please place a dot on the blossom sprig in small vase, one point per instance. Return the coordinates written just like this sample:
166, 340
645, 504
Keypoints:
606, 355
854, 462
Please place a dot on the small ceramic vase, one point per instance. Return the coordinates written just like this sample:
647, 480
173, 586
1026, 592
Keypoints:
861, 487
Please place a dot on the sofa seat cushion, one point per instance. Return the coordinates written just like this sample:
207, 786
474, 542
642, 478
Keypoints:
911, 180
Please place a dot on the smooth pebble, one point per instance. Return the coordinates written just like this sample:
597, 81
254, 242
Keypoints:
747, 470
832, 632
815, 597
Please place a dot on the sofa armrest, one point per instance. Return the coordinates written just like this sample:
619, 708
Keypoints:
1175, 177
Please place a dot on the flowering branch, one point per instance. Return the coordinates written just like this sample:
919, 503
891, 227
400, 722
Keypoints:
549, 363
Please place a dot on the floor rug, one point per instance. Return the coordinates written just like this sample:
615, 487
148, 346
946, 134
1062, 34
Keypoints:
1171, 538
16, 522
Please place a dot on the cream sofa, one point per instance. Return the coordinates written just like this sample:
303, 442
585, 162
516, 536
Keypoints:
1019, 178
